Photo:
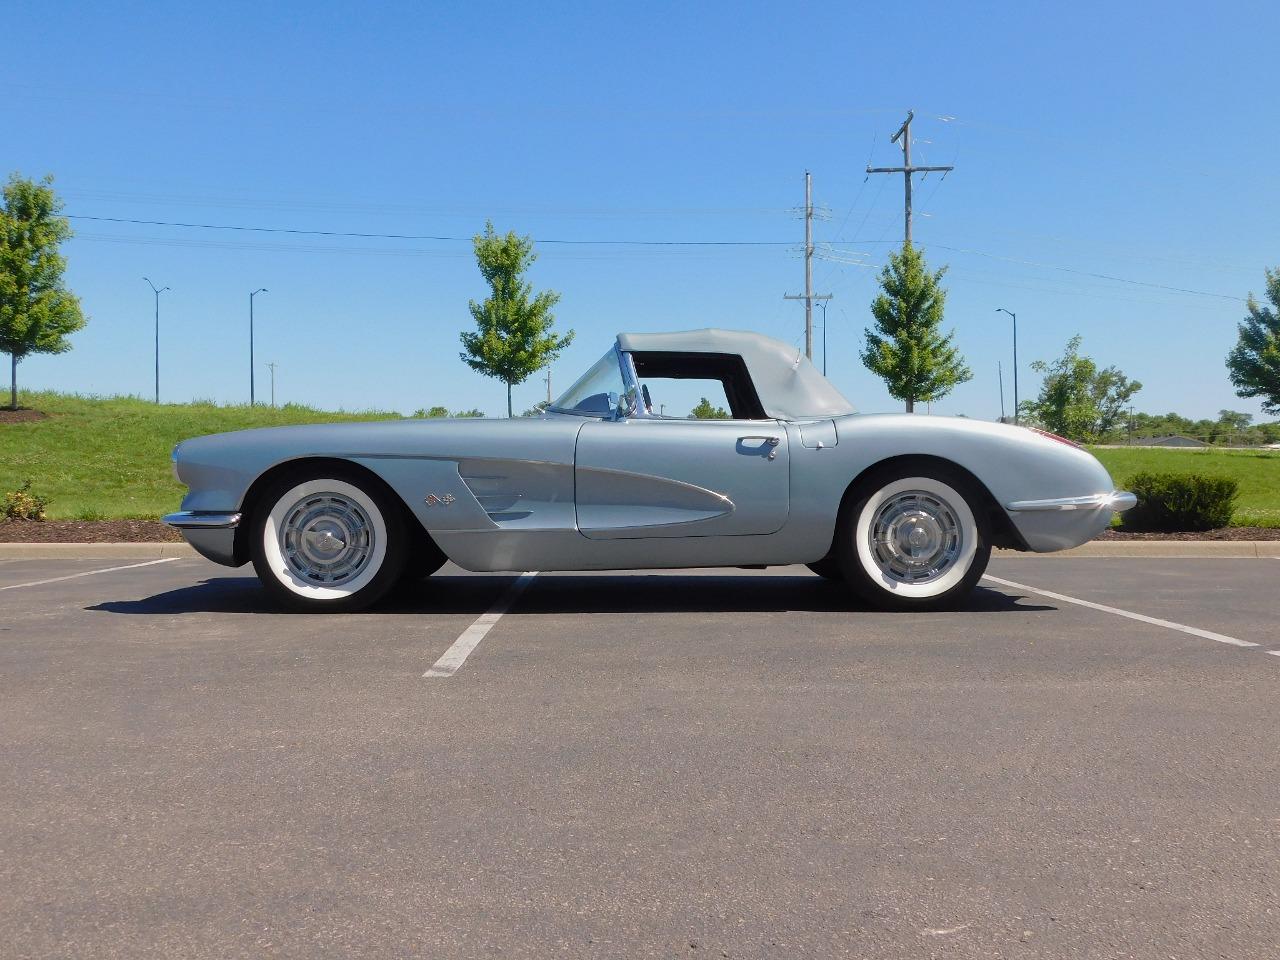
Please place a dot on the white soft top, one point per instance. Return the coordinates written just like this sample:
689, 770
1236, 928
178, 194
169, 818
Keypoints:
789, 386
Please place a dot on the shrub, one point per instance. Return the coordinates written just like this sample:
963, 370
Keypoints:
22, 504
1181, 501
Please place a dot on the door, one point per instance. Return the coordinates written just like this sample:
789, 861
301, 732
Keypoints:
680, 478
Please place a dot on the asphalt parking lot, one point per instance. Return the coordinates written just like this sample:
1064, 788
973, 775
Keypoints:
724, 764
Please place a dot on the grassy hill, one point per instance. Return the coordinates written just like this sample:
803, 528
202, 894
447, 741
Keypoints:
108, 458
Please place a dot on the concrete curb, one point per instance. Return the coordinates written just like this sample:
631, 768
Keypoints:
94, 551
1150, 549
1171, 549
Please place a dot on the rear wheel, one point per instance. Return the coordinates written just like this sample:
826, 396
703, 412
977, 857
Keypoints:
329, 541
915, 539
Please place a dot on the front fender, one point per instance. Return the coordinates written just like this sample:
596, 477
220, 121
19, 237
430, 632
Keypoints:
1016, 465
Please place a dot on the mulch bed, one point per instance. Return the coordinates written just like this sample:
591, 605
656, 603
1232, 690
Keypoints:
1223, 533
21, 415
85, 531
150, 531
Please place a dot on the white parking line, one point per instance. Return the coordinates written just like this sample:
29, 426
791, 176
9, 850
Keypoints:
457, 654
87, 573
1142, 618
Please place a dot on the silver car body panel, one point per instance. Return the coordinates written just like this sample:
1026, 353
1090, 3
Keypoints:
581, 492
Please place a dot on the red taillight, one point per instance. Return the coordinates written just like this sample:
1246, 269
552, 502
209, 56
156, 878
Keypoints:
1054, 436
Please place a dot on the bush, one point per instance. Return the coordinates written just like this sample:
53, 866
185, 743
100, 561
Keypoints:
1181, 501
22, 504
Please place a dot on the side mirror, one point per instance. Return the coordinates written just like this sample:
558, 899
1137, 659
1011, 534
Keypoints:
624, 405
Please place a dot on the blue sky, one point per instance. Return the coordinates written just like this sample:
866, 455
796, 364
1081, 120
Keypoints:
1131, 140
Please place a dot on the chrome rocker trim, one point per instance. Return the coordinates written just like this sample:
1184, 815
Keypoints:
1116, 501
187, 520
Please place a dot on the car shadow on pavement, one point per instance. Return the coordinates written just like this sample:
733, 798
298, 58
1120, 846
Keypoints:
567, 593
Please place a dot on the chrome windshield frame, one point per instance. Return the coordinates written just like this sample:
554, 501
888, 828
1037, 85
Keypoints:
630, 385
630, 392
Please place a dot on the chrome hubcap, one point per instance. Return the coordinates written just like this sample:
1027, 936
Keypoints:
915, 537
327, 539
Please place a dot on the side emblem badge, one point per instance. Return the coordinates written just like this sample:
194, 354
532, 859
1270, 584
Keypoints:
434, 501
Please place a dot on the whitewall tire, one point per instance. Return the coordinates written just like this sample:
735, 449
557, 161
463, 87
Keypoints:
915, 538
327, 543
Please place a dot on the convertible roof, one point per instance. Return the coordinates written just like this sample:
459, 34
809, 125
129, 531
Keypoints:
789, 386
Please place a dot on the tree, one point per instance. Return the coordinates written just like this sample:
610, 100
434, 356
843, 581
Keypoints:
537, 410
437, 412
513, 337
705, 411
1254, 364
1077, 400
907, 348
37, 312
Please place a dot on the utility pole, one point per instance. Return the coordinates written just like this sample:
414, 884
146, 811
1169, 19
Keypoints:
251, 296
1000, 374
548, 379
272, 366
157, 293
808, 296
904, 134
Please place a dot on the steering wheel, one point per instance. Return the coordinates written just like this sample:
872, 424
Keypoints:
648, 401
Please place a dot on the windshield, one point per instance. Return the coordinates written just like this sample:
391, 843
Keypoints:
596, 392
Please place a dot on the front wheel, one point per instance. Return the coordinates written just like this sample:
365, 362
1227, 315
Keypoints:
327, 542
914, 539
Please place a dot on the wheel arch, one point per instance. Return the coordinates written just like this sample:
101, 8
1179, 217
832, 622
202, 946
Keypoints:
1003, 532
420, 539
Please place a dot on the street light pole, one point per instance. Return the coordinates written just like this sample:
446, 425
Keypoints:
1015, 359
251, 296
823, 305
157, 292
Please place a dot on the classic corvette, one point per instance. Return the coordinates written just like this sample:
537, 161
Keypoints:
902, 508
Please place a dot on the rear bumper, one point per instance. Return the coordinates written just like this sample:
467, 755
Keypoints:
213, 535
1065, 522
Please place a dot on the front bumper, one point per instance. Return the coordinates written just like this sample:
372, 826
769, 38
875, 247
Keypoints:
213, 535
1061, 523
1117, 501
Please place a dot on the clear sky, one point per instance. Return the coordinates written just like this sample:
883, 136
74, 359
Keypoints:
1134, 140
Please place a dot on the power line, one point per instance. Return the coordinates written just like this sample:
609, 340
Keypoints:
830, 253
445, 239
1082, 273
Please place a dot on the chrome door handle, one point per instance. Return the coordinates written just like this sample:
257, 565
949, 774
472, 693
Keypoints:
769, 440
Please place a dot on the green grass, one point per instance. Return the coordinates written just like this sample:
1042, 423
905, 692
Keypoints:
108, 457
1257, 471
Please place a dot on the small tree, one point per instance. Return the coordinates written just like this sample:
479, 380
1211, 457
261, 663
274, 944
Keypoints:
437, 413
1077, 400
537, 410
37, 312
513, 337
1254, 364
907, 348
706, 411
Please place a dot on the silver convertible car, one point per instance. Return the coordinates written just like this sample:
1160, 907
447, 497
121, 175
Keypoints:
902, 508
